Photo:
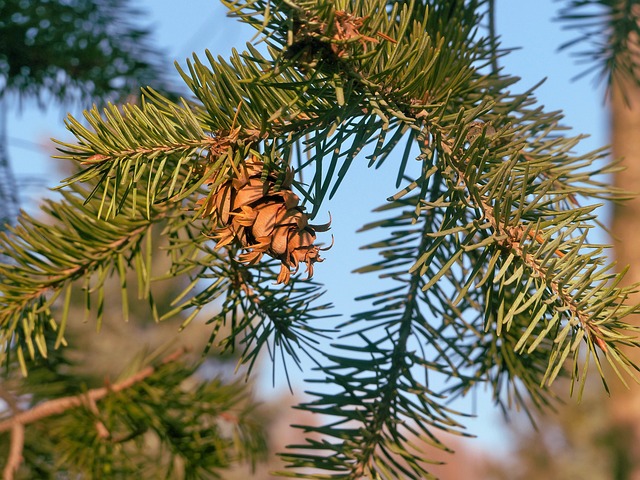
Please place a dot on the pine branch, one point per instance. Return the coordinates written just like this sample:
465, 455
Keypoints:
141, 151
391, 413
17, 422
46, 260
15, 452
385, 409
60, 405
258, 317
283, 320
157, 415
17, 437
566, 271
78, 50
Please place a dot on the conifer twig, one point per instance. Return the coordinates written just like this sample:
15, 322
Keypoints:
15, 452
16, 445
60, 405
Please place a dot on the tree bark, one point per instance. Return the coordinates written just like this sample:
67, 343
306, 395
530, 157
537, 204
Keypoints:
625, 140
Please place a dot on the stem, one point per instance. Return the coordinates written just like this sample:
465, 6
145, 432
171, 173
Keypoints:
205, 142
383, 411
15, 452
16, 444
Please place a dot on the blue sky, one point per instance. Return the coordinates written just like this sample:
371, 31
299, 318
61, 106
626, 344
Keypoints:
185, 27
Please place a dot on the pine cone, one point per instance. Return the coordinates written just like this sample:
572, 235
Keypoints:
258, 211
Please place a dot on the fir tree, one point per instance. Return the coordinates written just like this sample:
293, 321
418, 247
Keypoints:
489, 275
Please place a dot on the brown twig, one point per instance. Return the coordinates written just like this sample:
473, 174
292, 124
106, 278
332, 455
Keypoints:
16, 444
60, 405
204, 142
101, 428
15, 452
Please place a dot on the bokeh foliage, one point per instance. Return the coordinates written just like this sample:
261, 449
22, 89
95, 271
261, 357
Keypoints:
75, 50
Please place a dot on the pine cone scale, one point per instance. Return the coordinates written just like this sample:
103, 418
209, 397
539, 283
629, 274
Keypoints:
257, 210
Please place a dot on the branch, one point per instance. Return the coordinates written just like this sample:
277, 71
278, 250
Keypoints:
514, 238
384, 409
15, 452
160, 148
47, 258
53, 282
514, 242
17, 436
61, 405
